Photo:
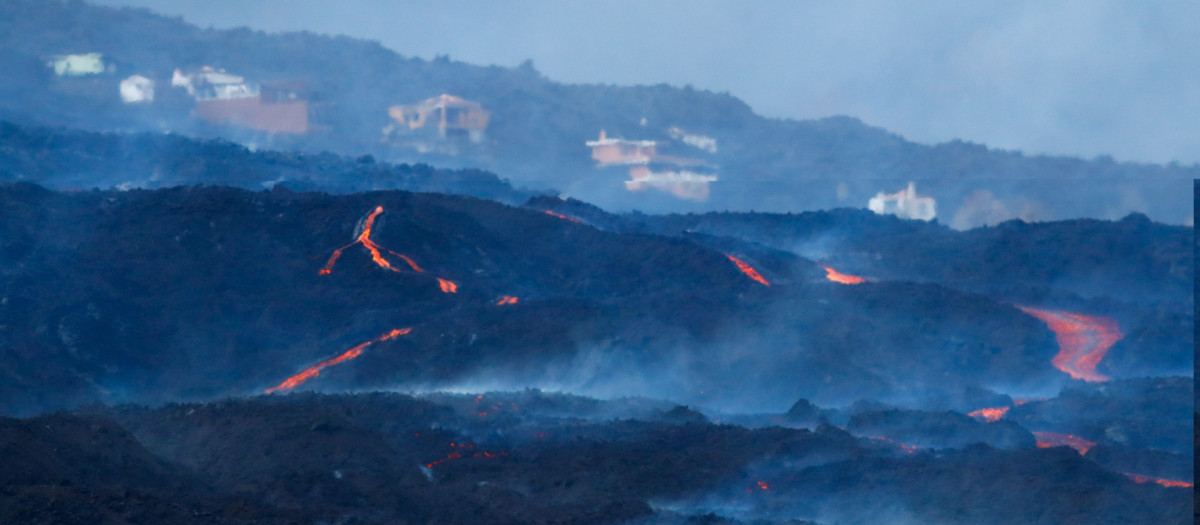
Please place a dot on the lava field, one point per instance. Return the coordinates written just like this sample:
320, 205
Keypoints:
209, 354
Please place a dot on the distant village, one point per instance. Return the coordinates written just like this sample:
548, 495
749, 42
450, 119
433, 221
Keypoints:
444, 124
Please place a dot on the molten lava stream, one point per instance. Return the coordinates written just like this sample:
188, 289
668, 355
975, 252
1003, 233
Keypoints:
447, 286
563, 217
1164, 482
748, 270
1083, 341
1053, 439
838, 277
364, 239
990, 414
508, 299
315, 370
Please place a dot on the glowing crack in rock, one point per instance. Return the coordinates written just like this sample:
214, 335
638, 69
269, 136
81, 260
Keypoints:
315, 370
1054, 439
508, 299
748, 270
838, 277
1083, 340
990, 414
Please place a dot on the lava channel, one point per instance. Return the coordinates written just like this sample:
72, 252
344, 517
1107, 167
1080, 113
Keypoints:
1053, 439
315, 370
1083, 340
838, 277
748, 270
363, 238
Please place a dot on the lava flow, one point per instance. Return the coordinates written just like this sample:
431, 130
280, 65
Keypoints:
1138, 478
1083, 340
447, 286
508, 299
363, 238
908, 449
563, 217
748, 270
1052, 439
458, 454
315, 370
838, 277
990, 414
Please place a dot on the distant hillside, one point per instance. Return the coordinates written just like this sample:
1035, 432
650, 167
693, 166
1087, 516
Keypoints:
68, 159
538, 127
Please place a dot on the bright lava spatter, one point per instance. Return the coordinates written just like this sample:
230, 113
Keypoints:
748, 270
508, 299
1083, 340
447, 286
838, 277
315, 370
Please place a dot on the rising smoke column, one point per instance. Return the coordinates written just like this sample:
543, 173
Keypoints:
1083, 340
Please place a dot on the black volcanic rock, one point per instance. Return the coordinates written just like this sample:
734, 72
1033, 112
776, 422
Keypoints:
189, 293
1130, 413
939, 429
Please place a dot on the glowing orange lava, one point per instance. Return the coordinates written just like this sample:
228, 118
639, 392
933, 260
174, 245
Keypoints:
908, 449
1052, 439
459, 454
447, 286
748, 270
990, 414
412, 264
1083, 340
508, 299
1164, 482
315, 370
763, 485
363, 238
563, 217
838, 277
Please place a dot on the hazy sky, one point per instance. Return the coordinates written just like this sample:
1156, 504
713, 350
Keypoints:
1082, 78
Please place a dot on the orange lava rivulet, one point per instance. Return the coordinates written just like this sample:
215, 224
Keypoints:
315, 370
508, 299
560, 216
748, 270
1083, 340
838, 277
1164, 482
364, 239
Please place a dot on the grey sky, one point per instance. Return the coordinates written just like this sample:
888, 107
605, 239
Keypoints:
1081, 78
